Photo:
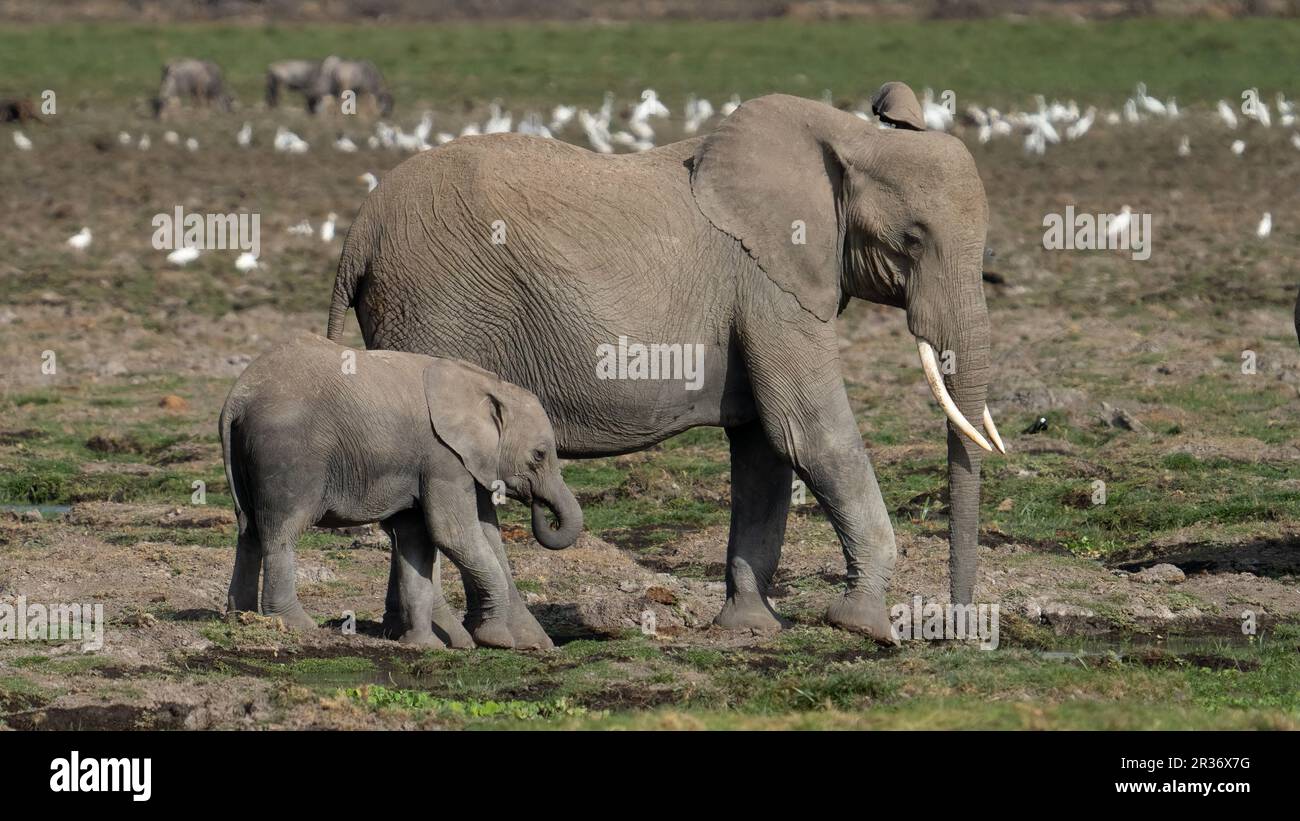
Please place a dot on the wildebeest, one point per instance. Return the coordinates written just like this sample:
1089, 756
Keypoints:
199, 81
337, 75
18, 110
291, 75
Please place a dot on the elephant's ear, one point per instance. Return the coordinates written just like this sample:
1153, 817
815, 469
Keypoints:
896, 104
770, 176
466, 413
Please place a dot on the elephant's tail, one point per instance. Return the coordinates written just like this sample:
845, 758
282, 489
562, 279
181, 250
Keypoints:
352, 267
228, 413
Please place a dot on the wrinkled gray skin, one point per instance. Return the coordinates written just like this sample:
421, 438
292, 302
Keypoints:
410, 441
692, 242
290, 75
337, 75
196, 81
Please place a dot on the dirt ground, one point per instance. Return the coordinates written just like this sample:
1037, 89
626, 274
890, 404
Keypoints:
147, 351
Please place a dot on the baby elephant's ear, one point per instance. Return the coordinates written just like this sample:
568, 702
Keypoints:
466, 413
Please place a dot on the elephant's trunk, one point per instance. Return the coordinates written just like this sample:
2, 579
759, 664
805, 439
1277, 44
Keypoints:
960, 385
561, 503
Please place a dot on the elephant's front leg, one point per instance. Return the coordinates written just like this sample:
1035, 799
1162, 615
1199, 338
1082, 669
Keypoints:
795, 374
404, 576
456, 531
760, 503
528, 634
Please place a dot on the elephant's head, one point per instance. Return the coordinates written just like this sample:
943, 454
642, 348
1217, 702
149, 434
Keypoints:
500, 432
832, 207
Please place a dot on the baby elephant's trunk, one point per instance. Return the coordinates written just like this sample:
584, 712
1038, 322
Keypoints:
562, 504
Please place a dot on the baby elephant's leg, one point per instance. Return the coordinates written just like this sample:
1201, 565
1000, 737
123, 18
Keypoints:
409, 603
527, 633
455, 530
446, 625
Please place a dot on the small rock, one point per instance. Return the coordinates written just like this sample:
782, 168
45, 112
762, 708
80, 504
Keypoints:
628, 586
1163, 573
140, 620
1005, 505
112, 367
1120, 418
172, 402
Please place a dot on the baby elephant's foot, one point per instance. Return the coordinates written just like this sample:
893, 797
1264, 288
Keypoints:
425, 639
493, 632
748, 611
528, 634
862, 612
295, 618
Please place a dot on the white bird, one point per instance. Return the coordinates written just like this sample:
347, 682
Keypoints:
443, 137
425, 127
1226, 114
244, 137
1120, 222
123, 138
344, 144
597, 131
937, 117
327, 227
1285, 111
1112, 118
183, 256
731, 105
1081, 125
191, 144
1131, 111
369, 180
302, 229
1295, 140
1265, 226
246, 262
561, 116
698, 112
497, 122
1035, 142
288, 142
1151, 104
1171, 108
1185, 146
171, 138
80, 241
1258, 109
144, 143
471, 130
532, 124
20, 140
625, 139
1238, 147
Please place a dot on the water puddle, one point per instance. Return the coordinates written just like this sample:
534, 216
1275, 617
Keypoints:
46, 511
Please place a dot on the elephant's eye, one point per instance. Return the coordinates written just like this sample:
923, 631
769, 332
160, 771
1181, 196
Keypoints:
539, 455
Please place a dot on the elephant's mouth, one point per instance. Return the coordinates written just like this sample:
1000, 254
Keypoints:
930, 365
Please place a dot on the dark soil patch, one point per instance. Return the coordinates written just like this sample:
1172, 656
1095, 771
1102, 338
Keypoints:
167, 716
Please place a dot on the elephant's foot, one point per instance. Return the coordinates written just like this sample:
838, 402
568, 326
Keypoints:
492, 632
294, 618
449, 629
393, 626
864, 613
422, 638
528, 634
748, 611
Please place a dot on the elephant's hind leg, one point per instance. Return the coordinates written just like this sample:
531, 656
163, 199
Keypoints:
279, 537
760, 502
242, 595
409, 526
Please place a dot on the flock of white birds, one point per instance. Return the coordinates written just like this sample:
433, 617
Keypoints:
1039, 127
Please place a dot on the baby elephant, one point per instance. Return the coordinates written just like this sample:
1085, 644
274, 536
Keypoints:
317, 434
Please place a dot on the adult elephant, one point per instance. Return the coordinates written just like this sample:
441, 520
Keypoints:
337, 75
524, 255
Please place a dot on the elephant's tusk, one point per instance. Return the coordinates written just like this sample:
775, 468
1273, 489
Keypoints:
931, 367
992, 431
